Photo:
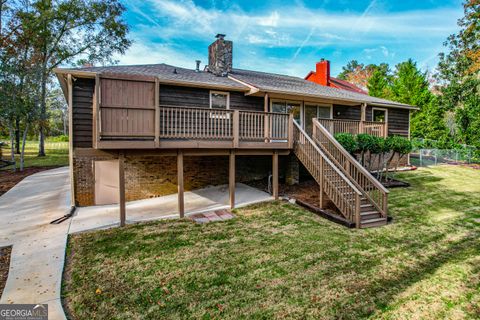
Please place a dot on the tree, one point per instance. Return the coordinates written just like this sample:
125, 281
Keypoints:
411, 86
459, 75
357, 73
379, 84
63, 30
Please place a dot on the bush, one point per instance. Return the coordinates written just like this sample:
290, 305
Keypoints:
365, 142
347, 140
399, 145
61, 138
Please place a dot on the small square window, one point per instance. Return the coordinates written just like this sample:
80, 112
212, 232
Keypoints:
219, 100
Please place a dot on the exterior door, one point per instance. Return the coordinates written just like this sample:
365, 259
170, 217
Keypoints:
315, 111
285, 107
107, 182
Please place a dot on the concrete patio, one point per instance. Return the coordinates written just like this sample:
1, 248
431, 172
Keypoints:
202, 200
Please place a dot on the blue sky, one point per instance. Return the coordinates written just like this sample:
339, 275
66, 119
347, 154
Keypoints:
290, 36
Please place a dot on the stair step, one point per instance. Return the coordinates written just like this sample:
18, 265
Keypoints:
369, 215
369, 212
376, 222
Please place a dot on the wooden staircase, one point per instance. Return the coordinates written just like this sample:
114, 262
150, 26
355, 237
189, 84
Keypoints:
353, 190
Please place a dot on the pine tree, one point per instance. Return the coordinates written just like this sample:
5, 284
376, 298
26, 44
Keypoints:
411, 86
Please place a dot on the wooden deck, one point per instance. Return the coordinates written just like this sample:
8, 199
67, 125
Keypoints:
168, 127
379, 129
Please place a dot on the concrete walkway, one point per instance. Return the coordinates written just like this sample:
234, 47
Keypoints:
38, 253
202, 200
38, 250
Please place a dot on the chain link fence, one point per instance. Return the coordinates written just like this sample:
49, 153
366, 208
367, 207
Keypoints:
426, 154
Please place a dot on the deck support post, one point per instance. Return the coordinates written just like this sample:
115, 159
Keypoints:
266, 125
121, 188
157, 113
275, 175
70, 141
181, 200
363, 117
322, 174
231, 179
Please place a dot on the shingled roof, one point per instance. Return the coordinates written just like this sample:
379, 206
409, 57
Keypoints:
263, 81
271, 82
168, 73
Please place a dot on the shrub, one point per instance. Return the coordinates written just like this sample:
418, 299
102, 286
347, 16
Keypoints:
347, 140
399, 145
61, 138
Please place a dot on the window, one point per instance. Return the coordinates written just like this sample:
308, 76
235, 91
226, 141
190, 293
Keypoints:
288, 107
219, 100
379, 115
315, 111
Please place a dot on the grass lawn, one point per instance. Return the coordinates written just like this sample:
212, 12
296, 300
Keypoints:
56, 155
277, 260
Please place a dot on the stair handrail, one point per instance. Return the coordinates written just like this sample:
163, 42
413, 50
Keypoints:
326, 161
383, 206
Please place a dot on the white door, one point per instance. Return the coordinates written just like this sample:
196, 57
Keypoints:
106, 182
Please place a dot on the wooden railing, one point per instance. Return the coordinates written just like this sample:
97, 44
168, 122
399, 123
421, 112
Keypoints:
242, 128
259, 126
196, 123
379, 129
370, 187
341, 191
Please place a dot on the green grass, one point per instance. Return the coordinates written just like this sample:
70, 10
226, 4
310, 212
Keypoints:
56, 155
279, 261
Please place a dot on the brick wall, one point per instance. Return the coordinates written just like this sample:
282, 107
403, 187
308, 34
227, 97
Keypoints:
153, 176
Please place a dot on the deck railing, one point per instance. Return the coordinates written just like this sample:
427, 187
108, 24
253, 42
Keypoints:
226, 125
340, 190
379, 129
371, 188
196, 123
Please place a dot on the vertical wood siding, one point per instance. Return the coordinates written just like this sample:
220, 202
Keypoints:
82, 112
127, 108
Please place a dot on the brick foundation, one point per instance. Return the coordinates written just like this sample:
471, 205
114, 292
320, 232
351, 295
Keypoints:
154, 176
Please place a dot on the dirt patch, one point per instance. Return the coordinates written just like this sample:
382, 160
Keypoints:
307, 191
9, 178
394, 183
5, 253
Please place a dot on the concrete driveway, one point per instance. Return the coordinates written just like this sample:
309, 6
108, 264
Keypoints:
38, 250
38, 253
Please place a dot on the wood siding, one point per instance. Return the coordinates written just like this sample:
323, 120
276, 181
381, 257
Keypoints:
127, 108
398, 120
82, 112
200, 98
347, 112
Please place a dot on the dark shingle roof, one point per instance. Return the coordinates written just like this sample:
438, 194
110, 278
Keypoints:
167, 73
297, 86
269, 82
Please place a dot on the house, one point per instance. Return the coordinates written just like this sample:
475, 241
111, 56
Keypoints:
143, 131
321, 75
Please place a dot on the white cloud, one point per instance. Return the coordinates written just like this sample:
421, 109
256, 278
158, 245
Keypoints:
170, 27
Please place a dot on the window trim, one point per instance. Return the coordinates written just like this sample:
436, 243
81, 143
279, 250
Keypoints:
316, 104
300, 102
226, 93
381, 109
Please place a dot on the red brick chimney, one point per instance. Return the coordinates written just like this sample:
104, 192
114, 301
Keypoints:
323, 72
